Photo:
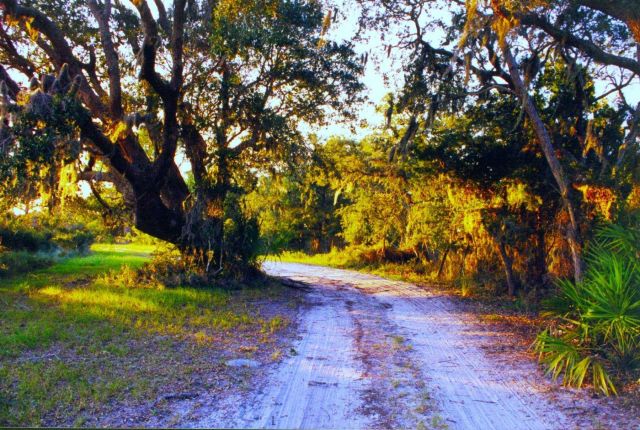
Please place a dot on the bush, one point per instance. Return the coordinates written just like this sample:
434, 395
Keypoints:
241, 238
597, 331
42, 235
18, 238
13, 263
74, 239
170, 269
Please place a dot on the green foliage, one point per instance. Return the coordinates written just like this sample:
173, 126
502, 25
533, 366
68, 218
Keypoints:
281, 213
565, 356
13, 263
272, 70
320, 72
32, 242
251, 73
74, 238
44, 234
40, 143
296, 209
241, 237
598, 332
18, 238
472, 196
227, 243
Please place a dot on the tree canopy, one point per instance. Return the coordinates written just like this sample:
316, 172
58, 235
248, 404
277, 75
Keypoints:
196, 113
122, 92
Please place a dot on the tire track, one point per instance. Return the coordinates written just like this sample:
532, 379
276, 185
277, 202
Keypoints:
471, 390
375, 353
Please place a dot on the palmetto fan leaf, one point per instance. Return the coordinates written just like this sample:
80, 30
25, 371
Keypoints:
621, 239
599, 331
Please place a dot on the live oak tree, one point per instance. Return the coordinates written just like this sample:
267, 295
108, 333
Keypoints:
123, 91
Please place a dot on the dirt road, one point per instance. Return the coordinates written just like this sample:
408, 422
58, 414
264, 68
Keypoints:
387, 354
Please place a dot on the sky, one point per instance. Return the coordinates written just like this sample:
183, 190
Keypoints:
375, 88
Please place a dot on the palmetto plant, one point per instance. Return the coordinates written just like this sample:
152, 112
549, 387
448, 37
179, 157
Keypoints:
596, 332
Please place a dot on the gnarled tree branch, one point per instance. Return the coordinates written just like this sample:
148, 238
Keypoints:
589, 48
63, 52
102, 13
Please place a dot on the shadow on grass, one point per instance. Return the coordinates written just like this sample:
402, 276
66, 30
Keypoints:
73, 341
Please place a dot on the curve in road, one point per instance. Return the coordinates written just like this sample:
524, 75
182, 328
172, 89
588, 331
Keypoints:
387, 354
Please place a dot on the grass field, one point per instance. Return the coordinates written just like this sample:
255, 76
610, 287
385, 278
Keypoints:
76, 342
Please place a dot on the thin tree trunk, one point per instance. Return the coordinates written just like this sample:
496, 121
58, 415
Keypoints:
507, 262
546, 144
444, 258
540, 261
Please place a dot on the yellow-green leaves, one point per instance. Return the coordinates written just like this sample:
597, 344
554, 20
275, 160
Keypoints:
117, 131
519, 195
33, 33
27, 22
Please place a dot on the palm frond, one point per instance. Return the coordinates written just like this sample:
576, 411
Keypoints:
599, 318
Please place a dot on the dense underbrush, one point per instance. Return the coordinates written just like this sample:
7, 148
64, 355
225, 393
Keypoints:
35, 243
594, 333
169, 268
45, 238
405, 264
13, 263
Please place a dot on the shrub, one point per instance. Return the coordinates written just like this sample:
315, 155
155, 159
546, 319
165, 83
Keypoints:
597, 330
13, 263
43, 235
18, 238
241, 239
74, 239
170, 269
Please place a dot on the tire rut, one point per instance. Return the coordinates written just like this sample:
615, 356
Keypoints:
375, 353
466, 389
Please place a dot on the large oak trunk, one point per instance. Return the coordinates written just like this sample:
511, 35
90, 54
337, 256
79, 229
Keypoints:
153, 217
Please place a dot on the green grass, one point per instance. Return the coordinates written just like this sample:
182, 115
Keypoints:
76, 339
332, 259
128, 250
102, 259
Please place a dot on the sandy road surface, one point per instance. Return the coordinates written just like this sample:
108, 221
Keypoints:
386, 354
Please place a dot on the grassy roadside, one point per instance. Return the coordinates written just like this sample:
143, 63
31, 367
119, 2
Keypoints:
77, 345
